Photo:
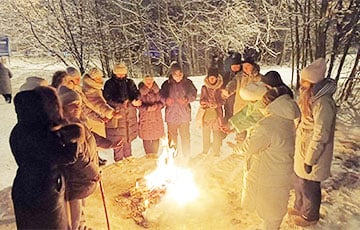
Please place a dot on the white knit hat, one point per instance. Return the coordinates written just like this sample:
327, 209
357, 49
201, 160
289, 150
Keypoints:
254, 91
120, 68
314, 72
33, 82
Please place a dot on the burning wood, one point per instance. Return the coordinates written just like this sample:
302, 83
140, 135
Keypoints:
167, 179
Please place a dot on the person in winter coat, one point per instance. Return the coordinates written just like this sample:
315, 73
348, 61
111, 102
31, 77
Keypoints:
92, 83
212, 120
5, 83
42, 146
273, 79
314, 141
177, 92
151, 124
82, 175
60, 78
33, 82
74, 83
122, 94
269, 158
232, 67
252, 112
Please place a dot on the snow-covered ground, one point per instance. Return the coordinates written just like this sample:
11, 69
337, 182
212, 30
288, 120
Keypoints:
218, 178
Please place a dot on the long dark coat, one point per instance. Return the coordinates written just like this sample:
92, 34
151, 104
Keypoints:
38, 191
151, 124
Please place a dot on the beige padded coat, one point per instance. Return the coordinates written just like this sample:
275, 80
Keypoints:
269, 154
315, 135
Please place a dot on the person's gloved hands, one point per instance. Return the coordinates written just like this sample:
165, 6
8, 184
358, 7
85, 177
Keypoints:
72, 133
151, 108
169, 101
308, 168
182, 101
136, 103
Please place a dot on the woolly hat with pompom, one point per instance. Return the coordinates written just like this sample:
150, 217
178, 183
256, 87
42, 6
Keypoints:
120, 69
254, 91
33, 82
314, 72
67, 96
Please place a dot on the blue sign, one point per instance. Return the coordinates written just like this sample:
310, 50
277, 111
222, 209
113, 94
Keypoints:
4, 46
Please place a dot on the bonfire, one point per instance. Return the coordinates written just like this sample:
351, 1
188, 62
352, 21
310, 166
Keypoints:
168, 180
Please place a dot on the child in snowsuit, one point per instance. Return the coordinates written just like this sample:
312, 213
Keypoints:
122, 94
151, 124
212, 119
177, 92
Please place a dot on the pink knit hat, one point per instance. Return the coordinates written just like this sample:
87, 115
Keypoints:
314, 72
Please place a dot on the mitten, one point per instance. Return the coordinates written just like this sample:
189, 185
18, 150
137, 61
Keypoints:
308, 168
72, 133
169, 101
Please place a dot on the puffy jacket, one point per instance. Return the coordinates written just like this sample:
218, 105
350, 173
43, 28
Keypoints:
210, 99
119, 93
99, 110
269, 153
240, 81
315, 134
83, 174
151, 124
185, 89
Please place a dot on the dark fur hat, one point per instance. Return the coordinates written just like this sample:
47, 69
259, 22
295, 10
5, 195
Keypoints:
272, 78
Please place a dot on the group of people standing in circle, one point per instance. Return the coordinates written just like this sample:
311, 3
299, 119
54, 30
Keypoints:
61, 127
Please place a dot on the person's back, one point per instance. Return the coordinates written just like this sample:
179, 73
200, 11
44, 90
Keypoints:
41, 147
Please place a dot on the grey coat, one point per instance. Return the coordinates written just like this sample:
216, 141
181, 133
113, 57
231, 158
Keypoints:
5, 83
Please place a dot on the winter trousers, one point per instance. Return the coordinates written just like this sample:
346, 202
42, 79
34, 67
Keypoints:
307, 198
184, 130
122, 152
229, 107
151, 146
217, 140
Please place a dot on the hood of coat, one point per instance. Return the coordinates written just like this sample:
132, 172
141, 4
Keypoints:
90, 83
145, 90
327, 86
217, 85
39, 107
284, 106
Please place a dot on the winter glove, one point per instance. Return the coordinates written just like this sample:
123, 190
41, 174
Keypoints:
136, 103
72, 133
116, 114
152, 108
182, 101
308, 168
169, 101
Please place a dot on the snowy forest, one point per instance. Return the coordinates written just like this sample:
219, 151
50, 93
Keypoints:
148, 35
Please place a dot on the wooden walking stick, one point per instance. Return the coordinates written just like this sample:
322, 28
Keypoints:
104, 203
